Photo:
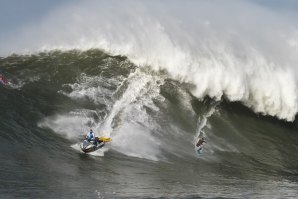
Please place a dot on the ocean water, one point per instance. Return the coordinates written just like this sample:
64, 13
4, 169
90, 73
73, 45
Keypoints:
151, 75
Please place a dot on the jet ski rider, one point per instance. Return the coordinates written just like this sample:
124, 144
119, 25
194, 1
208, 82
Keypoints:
91, 138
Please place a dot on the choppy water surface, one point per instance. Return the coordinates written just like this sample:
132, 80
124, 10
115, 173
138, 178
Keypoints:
53, 98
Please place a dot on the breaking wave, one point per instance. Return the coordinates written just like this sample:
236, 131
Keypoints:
237, 58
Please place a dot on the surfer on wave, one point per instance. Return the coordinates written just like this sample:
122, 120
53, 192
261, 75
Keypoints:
3, 80
201, 141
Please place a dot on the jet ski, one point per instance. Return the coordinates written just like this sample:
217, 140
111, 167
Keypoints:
88, 147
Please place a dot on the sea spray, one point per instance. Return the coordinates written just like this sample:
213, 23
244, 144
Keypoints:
138, 85
246, 58
128, 123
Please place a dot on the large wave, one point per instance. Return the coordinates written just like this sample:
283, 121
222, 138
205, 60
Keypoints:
237, 50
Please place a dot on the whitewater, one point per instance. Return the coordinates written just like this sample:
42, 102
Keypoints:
247, 55
152, 75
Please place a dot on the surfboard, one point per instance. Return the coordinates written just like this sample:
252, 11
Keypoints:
200, 150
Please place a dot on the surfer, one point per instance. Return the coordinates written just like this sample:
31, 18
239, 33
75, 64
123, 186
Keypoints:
200, 145
3, 80
200, 142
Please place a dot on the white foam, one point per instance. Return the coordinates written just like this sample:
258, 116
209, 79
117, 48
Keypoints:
128, 123
93, 88
220, 47
73, 125
99, 152
134, 140
141, 90
133, 134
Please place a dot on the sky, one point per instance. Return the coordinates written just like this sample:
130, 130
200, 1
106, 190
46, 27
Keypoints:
15, 12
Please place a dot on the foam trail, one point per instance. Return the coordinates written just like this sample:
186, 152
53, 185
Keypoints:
137, 141
202, 122
128, 123
137, 87
233, 53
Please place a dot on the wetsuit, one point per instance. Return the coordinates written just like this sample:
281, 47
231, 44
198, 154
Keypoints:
200, 142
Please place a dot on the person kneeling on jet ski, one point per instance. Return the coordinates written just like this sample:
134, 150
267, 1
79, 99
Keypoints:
92, 139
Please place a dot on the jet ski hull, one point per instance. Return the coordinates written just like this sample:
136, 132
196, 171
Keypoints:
88, 147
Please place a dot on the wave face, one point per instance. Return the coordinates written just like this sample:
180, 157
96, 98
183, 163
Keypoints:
151, 75
242, 51
54, 98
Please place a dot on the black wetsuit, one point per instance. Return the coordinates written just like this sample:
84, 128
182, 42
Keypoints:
200, 142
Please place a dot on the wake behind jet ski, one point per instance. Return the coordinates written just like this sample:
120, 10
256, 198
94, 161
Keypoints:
92, 143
